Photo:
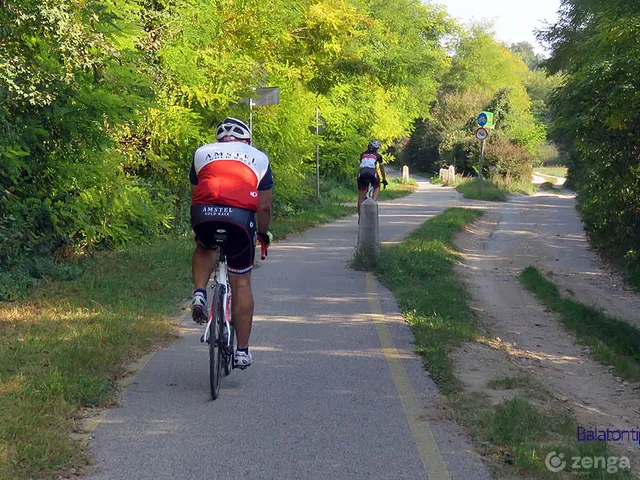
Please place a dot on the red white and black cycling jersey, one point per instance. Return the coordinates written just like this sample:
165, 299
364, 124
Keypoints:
230, 174
227, 177
368, 173
370, 159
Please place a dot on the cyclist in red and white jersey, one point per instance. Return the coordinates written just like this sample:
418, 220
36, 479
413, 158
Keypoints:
231, 182
368, 172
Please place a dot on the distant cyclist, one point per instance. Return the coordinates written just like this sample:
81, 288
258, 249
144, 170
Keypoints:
368, 172
230, 182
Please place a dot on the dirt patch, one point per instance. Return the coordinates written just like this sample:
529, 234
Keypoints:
521, 335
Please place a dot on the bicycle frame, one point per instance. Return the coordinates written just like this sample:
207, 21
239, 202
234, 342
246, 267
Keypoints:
221, 277
369, 193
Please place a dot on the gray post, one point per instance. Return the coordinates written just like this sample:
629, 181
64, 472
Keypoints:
317, 153
251, 120
368, 247
405, 174
481, 162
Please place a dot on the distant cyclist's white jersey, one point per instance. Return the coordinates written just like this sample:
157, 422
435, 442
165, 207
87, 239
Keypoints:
369, 159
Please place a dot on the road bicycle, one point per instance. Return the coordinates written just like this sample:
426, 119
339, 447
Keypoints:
369, 193
219, 332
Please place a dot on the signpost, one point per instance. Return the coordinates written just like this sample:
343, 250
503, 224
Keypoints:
319, 129
482, 134
264, 96
485, 120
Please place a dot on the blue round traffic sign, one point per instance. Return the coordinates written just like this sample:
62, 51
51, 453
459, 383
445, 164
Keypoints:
482, 119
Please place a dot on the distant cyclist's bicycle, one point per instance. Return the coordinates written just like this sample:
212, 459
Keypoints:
219, 333
369, 193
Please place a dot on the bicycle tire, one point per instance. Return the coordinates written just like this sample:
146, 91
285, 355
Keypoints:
215, 334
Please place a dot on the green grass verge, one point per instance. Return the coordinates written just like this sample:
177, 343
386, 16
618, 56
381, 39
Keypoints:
313, 215
420, 272
516, 434
331, 208
489, 191
553, 171
397, 189
62, 347
496, 189
339, 193
612, 341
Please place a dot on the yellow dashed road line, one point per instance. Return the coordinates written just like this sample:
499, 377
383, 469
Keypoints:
434, 464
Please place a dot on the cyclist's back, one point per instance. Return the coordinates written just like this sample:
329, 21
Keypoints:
231, 184
368, 172
229, 174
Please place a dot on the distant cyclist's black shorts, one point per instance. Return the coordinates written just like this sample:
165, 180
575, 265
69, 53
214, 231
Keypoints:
367, 176
240, 225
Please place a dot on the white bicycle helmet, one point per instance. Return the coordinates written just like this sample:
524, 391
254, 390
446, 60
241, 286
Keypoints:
375, 144
233, 127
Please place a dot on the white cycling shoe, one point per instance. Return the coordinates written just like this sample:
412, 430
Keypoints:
199, 310
242, 360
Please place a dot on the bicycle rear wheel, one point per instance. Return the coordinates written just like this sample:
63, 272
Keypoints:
215, 339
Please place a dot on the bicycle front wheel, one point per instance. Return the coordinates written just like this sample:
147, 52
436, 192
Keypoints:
215, 339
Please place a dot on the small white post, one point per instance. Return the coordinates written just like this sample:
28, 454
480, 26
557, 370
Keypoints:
452, 174
405, 174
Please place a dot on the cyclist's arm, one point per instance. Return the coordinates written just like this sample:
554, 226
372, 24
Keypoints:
264, 201
193, 177
264, 210
382, 170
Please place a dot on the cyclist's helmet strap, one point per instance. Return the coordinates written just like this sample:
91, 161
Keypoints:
232, 127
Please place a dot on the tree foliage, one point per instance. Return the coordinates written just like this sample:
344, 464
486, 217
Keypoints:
595, 48
484, 76
102, 103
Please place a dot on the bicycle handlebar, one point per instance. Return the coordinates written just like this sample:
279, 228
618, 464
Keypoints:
264, 245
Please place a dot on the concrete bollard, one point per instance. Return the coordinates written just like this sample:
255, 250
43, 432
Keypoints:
405, 174
368, 248
452, 174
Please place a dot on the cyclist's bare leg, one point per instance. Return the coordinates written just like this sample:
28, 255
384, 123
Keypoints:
242, 306
203, 263
360, 199
376, 191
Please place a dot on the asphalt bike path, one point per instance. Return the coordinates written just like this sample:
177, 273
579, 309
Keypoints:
335, 390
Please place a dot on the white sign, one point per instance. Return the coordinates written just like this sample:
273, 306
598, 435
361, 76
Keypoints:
482, 134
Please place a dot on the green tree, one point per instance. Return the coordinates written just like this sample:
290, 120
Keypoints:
525, 51
594, 45
484, 75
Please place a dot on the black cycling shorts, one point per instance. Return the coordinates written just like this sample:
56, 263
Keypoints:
367, 176
240, 225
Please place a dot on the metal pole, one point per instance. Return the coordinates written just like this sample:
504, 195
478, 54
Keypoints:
481, 162
251, 119
317, 152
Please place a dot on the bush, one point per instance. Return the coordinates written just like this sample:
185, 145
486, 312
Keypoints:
512, 161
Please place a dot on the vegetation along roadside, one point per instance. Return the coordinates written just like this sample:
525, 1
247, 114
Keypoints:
516, 433
63, 347
614, 342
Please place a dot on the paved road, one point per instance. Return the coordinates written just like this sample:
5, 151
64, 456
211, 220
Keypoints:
323, 399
